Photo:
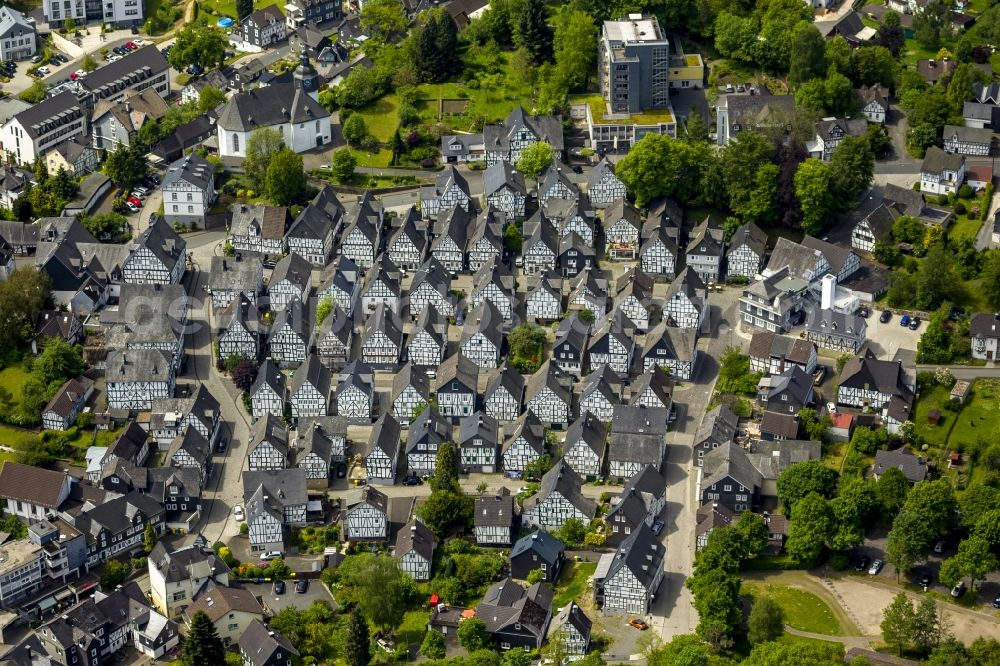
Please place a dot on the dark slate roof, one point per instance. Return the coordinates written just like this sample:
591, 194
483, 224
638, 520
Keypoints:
765, 344
546, 128
270, 375
315, 373
148, 58
730, 460
794, 380
555, 173
457, 367
562, 478
528, 427
193, 443
508, 603
985, 324
501, 173
260, 643
798, 258
835, 255
548, 375
913, 467
687, 282
417, 537
598, 173
494, 510
751, 236
165, 243
656, 379
936, 161
591, 431
272, 105
547, 546
429, 428
60, 108
603, 380
572, 331
480, 425
642, 554
573, 615
385, 436
193, 169
322, 216
293, 316
780, 424
407, 376
485, 319
509, 379
718, 426
386, 320
637, 434
284, 487
885, 376
706, 239
430, 320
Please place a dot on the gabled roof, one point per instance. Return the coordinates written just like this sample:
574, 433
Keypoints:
293, 317
780, 424
688, 283
429, 427
706, 239
798, 258
712, 515
495, 510
385, 320
732, 461
457, 366
680, 342
407, 376
835, 255
69, 395
622, 209
642, 554
572, 331
31, 484
270, 220
453, 223
913, 468
794, 380
271, 105
500, 174
546, 128
574, 616
601, 170
484, 319
385, 436
415, 536
192, 169
750, 236
605, 381
509, 379
294, 269
548, 548
530, 429
269, 428
885, 376
314, 373
658, 381
283, 487
193, 443
260, 644
985, 324
322, 216
936, 161
637, 434
478, 425
218, 601
270, 375
717, 426
555, 174
548, 375
589, 430
563, 479
165, 243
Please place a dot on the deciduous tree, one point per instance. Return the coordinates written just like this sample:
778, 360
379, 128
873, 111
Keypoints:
766, 621
433, 646
535, 159
799, 480
473, 635
897, 622
343, 165
126, 165
811, 529
198, 44
813, 188
808, 54
262, 145
285, 180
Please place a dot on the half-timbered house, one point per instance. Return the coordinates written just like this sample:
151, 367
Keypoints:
637, 439
60, 412
547, 395
258, 229
718, 427
559, 499
355, 392
611, 344
705, 251
730, 479
504, 394
428, 339
291, 279
653, 388
431, 285
572, 215
586, 446
267, 395
842, 332
672, 348
415, 550
158, 256
516, 618
788, 392
190, 449
543, 302
495, 520
282, 490
478, 443
200, 410
311, 234
333, 338
482, 335
600, 393
427, 432
231, 277
603, 186
505, 190
575, 255
485, 242
634, 574
589, 292
382, 342
267, 446
622, 227
540, 245
361, 239
384, 451
136, 377
495, 282
524, 443
457, 387
381, 285
634, 297
366, 515
870, 382
288, 339
771, 353
451, 238
556, 184
342, 284
411, 392
309, 392
319, 443
658, 252
747, 249
571, 628
685, 304
408, 243
519, 130
449, 189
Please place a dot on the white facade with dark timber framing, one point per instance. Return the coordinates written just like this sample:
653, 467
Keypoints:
410, 392
456, 388
428, 339
543, 302
427, 432
524, 443
137, 377
450, 189
495, 519
586, 446
311, 234
431, 286
355, 393
158, 256
288, 340
310, 389
547, 397
495, 283
407, 243
268, 445
382, 341
384, 451
558, 500
267, 395
367, 517
634, 576
603, 186
747, 247
415, 550
504, 394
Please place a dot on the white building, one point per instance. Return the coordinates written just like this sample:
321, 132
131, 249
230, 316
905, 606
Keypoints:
28, 135
941, 172
17, 35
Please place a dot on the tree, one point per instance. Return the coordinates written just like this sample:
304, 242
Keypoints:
811, 528
658, 165
359, 642
930, 627
209, 98
991, 277
890, 33
472, 634
766, 621
104, 225
936, 278
343, 165
202, 644
433, 646
908, 229
838, 56
977, 501
975, 559
22, 296
808, 54
533, 32
262, 145
513, 240
909, 540
200, 45
740, 163
852, 168
382, 18
527, 347
435, 44
535, 159
897, 622
354, 129
149, 538
813, 189
950, 572
716, 598
934, 502
34, 93
575, 45
285, 180
380, 587
799, 480
244, 8
446, 469
931, 24
58, 362
244, 374
868, 441
445, 510
734, 373
934, 345
113, 574
126, 165
536, 576
572, 532
88, 64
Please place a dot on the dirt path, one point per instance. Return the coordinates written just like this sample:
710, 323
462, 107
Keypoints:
804, 581
848, 642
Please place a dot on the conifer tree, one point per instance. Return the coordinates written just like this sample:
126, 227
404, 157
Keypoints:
202, 645
534, 33
358, 640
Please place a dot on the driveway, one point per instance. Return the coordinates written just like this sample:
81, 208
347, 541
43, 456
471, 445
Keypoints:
275, 603
890, 338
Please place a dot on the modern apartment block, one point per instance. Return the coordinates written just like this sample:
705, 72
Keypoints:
119, 13
634, 65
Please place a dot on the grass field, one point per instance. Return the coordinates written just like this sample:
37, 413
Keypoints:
965, 227
573, 582
803, 610
27, 439
11, 379
413, 627
979, 418
217, 9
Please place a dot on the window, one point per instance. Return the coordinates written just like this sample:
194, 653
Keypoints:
727, 488
236, 142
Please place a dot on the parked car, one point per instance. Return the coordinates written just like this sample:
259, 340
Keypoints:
141, 190
279, 587
131, 46
875, 568
956, 313
862, 563
904, 320
238, 513
36, 58
43, 70
135, 201
638, 624
271, 555
864, 312
915, 323
885, 316
925, 581
412, 481
132, 208
302, 586
577, 168
81, 73
996, 602
939, 547
657, 527
958, 590
819, 375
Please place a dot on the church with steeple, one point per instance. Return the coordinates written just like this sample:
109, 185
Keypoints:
291, 108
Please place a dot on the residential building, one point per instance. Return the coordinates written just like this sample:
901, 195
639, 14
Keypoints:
869, 382
355, 393
259, 30
747, 111
622, 228
603, 186
311, 234
365, 513
633, 575
61, 411
504, 394
505, 190
29, 134
288, 339
75, 156
772, 354
116, 123
231, 609
267, 445
428, 339
967, 140
718, 427
640, 503
830, 132
633, 65
450, 189
634, 297
586, 446
941, 172
177, 576
559, 499
548, 396
829, 329
874, 103
290, 280
601, 392
572, 628
914, 468
415, 550
158, 256
747, 249
774, 303
18, 36
463, 148
984, 328
538, 550
234, 278
137, 377
636, 439
143, 68
305, 12
524, 443
258, 229
672, 348
384, 451
267, 395
686, 302
705, 252
495, 520
274, 499
515, 617
260, 645
788, 392
456, 387
518, 131
188, 190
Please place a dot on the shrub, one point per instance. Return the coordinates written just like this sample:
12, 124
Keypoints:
960, 207
965, 192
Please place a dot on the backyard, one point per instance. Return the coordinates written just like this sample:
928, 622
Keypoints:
978, 419
573, 583
77, 441
12, 378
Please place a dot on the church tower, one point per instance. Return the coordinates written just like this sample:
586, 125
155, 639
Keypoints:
305, 77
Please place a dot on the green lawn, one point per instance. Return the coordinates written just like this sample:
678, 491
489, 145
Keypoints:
217, 9
834, 454
414, 626
11, 379
979, 418
965, 227
803, 610
931, 399
27, 439
573, 581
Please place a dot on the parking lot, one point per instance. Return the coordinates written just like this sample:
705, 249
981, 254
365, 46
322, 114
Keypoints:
275, 603
888, 339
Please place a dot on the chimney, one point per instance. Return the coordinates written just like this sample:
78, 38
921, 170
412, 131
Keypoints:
829, 288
